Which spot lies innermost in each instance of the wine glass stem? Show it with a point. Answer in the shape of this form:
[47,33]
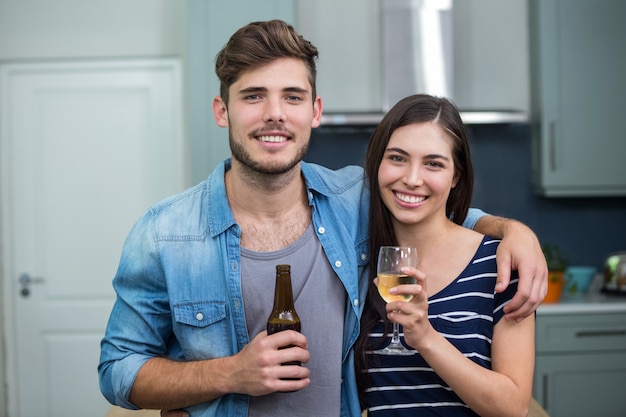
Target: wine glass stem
[395,338]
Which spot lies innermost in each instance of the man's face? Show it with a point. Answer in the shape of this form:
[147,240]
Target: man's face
[270,115]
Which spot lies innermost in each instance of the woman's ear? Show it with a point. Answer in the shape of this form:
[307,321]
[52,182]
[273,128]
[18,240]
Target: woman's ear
[455,180]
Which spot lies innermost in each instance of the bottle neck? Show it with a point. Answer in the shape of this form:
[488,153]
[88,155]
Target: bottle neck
[283,295]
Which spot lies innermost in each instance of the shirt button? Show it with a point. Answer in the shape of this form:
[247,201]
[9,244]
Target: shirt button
[356,302]
[199,316]
[338,264]
[363,256]
[321,230]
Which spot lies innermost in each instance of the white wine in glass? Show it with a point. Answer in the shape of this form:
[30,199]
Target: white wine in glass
[388,281]
[391,259]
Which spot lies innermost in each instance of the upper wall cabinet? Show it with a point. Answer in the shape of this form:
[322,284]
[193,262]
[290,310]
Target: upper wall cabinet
[347,35]
[578,87]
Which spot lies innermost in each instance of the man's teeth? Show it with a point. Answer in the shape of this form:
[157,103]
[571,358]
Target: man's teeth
[411,199]
[272,138]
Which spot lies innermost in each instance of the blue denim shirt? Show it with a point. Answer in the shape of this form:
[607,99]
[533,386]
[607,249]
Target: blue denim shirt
[178,283]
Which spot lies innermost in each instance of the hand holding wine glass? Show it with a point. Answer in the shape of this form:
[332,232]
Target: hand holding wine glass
[391,260]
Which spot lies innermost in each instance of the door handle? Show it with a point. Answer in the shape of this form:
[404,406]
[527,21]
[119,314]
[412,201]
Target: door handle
[26,280]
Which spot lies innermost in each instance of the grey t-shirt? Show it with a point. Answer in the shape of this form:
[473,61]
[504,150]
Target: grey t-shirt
[320,300]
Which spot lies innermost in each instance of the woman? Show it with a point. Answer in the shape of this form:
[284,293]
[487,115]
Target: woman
[468,360]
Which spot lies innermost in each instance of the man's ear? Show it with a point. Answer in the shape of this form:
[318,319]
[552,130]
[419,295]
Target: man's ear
[317,112]
[220,112]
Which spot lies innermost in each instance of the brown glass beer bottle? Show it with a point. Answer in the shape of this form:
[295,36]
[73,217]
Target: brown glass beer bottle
[283,315]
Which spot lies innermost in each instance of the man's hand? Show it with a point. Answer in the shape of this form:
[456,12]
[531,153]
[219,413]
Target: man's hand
[256,370]
[519,250]
[259,370]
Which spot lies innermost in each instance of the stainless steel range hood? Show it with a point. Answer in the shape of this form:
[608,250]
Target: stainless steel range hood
[417,48]
[417,57]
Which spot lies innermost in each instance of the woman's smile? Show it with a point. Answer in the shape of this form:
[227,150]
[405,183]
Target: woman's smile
[409,198]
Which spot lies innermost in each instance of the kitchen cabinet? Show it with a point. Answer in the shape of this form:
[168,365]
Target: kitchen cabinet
[578,62]
[580,367]
[347,35]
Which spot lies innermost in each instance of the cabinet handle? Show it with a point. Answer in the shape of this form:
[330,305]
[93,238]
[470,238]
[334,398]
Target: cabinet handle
[545,391]
[552,143]
[595,333]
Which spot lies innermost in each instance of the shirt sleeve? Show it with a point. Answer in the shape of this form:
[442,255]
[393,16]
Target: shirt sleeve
[473,214]
[138,326]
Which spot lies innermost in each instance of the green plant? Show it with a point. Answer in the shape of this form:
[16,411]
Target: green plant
[555,258]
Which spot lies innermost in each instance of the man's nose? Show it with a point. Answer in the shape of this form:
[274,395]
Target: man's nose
[274,111]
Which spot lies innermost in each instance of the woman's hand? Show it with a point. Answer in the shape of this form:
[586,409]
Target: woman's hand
[412,315]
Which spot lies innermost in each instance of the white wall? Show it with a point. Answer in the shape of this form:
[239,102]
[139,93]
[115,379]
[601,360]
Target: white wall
[62,29]
[83,29]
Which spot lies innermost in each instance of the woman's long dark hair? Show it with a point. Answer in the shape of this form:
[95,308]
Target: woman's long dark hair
[415,109]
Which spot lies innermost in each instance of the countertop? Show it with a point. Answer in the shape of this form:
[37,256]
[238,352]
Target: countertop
[593,302]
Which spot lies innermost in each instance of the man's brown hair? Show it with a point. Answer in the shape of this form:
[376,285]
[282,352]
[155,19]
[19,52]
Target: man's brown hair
[258,44]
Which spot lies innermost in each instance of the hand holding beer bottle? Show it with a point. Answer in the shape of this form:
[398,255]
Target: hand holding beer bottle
[283,315]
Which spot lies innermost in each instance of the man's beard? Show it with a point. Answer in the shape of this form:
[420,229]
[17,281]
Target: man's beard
[275,168]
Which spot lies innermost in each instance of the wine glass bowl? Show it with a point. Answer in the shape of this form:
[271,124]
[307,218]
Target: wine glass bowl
[391,260]
[387,281]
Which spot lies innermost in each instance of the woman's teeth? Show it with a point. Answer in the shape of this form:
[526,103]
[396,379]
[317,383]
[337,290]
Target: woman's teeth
[411,199]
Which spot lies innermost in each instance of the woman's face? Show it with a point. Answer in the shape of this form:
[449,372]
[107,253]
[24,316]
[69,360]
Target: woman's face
[416,173]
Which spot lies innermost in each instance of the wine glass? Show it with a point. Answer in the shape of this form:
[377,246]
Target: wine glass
[391,259]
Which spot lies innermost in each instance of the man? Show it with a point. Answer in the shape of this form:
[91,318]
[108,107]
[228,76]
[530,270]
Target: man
[195,281]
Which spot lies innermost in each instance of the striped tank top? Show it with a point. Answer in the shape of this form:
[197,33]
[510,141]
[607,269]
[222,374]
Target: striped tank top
[465,312]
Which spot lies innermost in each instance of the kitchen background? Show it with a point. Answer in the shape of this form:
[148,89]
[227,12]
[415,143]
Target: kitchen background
[495,63]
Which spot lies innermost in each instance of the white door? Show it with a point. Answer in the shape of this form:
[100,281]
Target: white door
[85,148]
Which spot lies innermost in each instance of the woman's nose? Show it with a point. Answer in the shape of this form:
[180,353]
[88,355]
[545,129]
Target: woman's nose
[413,177]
